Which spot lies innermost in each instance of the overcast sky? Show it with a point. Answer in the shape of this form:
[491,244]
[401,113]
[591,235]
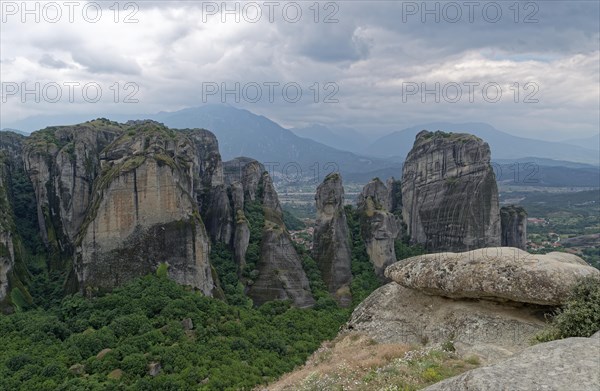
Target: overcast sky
[370,63]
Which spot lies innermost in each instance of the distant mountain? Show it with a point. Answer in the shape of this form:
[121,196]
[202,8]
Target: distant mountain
[503,145]
[242,133]
[545,162]
[587,142]
[344,138]
[14,131]
[540,175]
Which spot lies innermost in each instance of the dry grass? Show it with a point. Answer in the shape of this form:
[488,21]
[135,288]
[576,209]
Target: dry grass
[354,362]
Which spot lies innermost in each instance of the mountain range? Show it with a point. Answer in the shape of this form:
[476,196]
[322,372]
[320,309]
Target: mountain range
[503,145]
[313,151]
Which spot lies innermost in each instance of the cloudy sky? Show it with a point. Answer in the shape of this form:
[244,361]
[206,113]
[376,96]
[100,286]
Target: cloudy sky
[377,66]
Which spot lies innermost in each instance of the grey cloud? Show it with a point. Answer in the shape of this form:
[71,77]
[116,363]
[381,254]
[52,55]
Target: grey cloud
[50,62]
[107,63]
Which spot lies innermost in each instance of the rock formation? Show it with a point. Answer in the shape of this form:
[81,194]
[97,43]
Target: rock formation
[494,273]
[490,302]
[114,201]
[378,226]
[449,193]
[566,364]
[331,247]
[62,163]
[143,212]
[280,273]
[13,273]
[490,330]
[513,220]
[7,252]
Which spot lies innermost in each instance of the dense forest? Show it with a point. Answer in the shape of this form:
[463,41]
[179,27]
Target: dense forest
[155,334]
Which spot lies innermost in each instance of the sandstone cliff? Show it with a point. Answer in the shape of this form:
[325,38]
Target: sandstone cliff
[449,193]
[13,272]
[331,246]
[62,163]
[143,212]
[378,226]
[277,274]
[7,253]
[513,220]
[114,201]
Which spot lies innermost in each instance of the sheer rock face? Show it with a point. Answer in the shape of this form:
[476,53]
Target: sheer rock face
[144,213]
[114,201]
[279,270]
[449,193]
[62,163]
[281,276]
[514,226]
[331,246]
[242,176]
[495,273]
[7,253]
[379,228]
[13,272]
[210,188]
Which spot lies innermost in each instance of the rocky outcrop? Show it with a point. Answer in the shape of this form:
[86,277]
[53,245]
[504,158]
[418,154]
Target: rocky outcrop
[490,330]
[62,163]
[242,176]
[280,273]
[275,273]
[143,212]
[211,188]
[567,364]
[495,273]
[331,248]
[13,273]
[7,253]
[513,221]
[115,201]
[449,193]
[379,227]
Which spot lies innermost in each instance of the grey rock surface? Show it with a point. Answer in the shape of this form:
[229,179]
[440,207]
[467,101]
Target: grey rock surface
[513,220]
[495,273]
[490,330]
[569,364]
[378,226]
[331,243]
[449,193]
[281,276]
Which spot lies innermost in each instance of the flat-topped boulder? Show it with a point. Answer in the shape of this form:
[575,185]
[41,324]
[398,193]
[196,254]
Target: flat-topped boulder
[494,273]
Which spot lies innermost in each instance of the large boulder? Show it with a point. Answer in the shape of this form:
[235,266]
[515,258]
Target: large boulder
[569,364]
[331,246]
[490,330]
[449,193]
[496,273]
